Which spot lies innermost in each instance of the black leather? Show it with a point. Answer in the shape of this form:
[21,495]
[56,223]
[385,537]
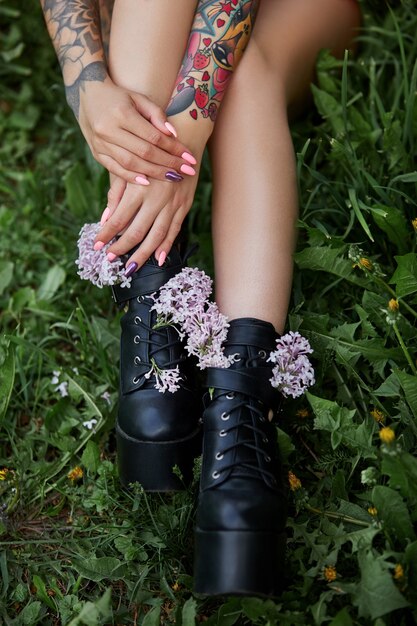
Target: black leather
[145,414]
[242,488]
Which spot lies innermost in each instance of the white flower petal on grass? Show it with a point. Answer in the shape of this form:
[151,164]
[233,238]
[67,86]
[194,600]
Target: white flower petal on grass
[62,388]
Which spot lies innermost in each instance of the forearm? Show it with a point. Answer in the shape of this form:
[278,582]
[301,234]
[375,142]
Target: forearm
[218,38]
[74,28]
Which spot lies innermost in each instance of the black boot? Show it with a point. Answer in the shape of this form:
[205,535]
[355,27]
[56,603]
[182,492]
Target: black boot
[242,509]
[155,431]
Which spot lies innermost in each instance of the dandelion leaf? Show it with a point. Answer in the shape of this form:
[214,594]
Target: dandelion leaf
[7,374]
[409,386]
[106,567]
[6,275]
[91,457]
[153,617]
[342,619]
[376,594]
[402,472]
[95,613]
[393,223]
[393,512]
[405,276]
[189,612]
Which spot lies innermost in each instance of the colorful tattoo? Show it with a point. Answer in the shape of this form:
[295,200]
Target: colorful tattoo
[219,36]
[74,27]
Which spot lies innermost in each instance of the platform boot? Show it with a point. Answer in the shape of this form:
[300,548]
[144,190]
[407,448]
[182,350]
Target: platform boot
[242,508]
[156,432]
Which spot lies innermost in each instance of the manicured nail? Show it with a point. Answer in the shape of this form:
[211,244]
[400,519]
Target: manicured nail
[189,158]
[111,256]
[131,268]
[98,245]
[174,177]
[141,180]
[105,216]
[171,129]
[187,169]
[162,258]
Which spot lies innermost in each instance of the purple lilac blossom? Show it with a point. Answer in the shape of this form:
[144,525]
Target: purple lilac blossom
[93,265]
[165,380]
[183,294]
[293,372]
[206,331]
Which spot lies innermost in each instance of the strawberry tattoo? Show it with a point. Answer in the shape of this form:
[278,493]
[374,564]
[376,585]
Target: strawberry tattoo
[201,60]
[201,96]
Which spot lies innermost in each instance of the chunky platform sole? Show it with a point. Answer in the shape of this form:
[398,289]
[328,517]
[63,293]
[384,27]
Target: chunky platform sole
[152,463]
[241,563]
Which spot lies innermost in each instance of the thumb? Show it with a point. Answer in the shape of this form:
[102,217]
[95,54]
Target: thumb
[153,113]
[115,193]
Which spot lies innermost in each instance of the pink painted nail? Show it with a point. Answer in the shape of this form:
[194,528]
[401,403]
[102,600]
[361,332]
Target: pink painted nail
[171,129]
[189,158]
[105,216]
[111,256]
[141,180]
[98,245]
[187,169]
[162,258]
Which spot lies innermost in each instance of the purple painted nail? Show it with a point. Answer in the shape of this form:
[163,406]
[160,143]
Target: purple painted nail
[174,177]
[131,268]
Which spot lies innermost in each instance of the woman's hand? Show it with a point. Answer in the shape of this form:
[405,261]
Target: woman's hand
[151,216]
[129,135]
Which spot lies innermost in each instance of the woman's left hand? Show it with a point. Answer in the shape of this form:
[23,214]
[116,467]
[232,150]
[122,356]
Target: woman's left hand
[151,216]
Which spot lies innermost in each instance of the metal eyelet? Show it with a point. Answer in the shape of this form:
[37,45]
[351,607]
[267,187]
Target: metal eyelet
[219,456]
[136,380]
[267,458]
[262,419]
[137,319]
[137,360]
[262,354]
[225,416]
[223,433]
[216,474]
[230,395]
[265,440]
[237,357]
[136,339]
[140,298]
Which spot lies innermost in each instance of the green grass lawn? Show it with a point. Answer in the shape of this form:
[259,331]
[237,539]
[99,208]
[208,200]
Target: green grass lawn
[76,548]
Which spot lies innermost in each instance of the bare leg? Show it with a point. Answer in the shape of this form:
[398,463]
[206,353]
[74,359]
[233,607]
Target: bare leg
[255,203]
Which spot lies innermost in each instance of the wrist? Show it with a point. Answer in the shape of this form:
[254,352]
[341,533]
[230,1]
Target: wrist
[194,135]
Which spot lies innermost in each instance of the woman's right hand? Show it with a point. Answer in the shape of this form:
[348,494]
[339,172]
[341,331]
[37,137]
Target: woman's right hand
[127,133]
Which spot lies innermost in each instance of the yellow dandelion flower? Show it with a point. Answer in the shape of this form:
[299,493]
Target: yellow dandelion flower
[366,263]
[393,305]
[295,483]
[3,473]
[378,415]
[414,223]
[176,586]
[398,571]
[330,573]
[75,474]
[387,435]
[373,511]
[302,413]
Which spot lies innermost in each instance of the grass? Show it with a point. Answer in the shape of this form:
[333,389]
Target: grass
[80,550]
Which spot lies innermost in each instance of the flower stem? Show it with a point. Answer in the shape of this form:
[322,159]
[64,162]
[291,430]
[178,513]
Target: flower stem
[334,515]
[404,349]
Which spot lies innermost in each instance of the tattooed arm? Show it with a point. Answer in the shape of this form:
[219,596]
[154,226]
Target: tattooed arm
[219,35]
[118,124]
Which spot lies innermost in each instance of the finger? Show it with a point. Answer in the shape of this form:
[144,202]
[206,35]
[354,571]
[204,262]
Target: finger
[137,230]
[115,193]
[122,216]
[164,248]
[113,167]
[156,235]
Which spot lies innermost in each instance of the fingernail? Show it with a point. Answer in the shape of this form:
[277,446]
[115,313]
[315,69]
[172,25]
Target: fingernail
[131,268]
[189,158]
[141,180]
[162,258]
[105,216]
[111,256]
[187,169]
[98,245]
[171,129]
[174,177]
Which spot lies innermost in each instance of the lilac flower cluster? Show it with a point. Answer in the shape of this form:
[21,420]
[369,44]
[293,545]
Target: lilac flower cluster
[183,300]
[165,380]
[93,265]
[293,372]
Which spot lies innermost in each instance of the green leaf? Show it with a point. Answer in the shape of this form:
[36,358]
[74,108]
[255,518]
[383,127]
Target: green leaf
[51,283]
[408,383]
[376,594]
[327,260]
[342,618]
[6,275]
[42,593]
[189,612]
[411,560]
[393,223]
[91,457]
[80,194]
[357,210]
[95,613]
[402,470]
[152,617]
[329,108]
[106,567]
[7,374]
[405,276]
[393,512]
[29,615]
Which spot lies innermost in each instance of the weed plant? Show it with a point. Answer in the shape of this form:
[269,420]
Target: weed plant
[77,549]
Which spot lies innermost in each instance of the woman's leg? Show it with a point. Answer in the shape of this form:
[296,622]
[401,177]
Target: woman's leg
[255,203]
